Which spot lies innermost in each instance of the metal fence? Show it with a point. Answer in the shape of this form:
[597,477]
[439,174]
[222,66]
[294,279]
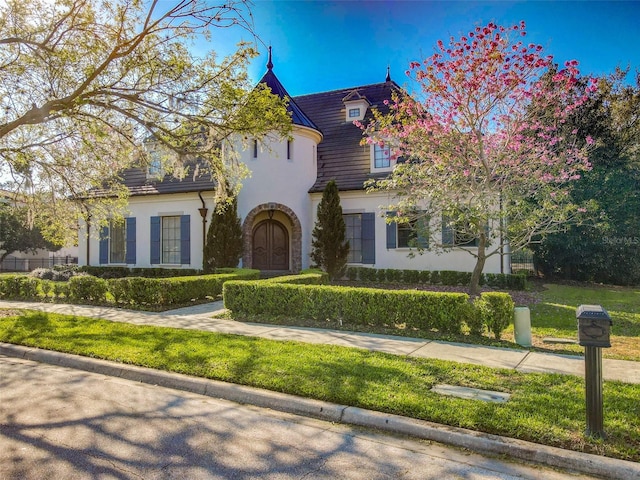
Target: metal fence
[13,264]
[522,262]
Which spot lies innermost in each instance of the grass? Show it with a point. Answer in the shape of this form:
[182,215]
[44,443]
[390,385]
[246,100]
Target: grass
[543,408]
[555,316]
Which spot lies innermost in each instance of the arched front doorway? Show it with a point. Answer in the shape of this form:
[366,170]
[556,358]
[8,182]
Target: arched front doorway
[283,216]
[270,246]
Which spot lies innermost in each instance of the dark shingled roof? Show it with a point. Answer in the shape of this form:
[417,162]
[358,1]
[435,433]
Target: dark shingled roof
[136,180]
[340,155]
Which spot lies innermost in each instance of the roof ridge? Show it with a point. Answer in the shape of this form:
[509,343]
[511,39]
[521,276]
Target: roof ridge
[348,88]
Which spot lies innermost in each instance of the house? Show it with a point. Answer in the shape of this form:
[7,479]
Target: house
[167,218]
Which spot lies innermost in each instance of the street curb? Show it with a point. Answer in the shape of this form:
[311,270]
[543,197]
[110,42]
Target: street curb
[476,441]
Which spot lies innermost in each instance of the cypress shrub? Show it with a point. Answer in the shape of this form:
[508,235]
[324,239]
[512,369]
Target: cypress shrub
[329,249]
[223,248]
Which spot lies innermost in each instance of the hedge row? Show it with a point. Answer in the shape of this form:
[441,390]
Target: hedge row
[127,291]
[446,312]
[442,277]
[107,272]
[306,277]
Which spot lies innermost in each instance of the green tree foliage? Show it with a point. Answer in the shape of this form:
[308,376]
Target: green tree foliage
[607,249]
[83,84]
[17,235]
[329,248]
[224,238]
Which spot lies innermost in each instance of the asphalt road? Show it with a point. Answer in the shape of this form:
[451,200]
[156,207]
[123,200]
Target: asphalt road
[66,424]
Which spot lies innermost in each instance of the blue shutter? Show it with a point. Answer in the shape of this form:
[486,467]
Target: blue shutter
[368,238]
[155,240]
[104,245]
[131,240]
[185,239]
[392,229]
[447,232]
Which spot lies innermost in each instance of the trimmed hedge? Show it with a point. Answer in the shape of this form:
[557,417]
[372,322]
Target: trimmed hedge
[495,310]
[306,277]
[171,291]
[423,310]
[18,286]
[108,272]
[443,277]
[359,306]
[127,290]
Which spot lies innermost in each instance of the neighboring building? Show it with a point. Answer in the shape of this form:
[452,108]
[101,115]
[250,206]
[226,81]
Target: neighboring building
[278,203]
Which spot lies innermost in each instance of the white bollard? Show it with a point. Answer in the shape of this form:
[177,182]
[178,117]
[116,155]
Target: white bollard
[522,326]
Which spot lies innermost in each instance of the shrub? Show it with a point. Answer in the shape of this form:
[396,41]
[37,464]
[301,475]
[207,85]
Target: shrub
[306,277]
[18,286]
[496,311]
[425,276]
[352,273]
[60,289]
[329,248]
[87,288]
[434,278]
[475,321]
[223,247]
[393,275]
[368,274]
[43,273]
[46,286]
[416,309]
[176,290]
[449,277]
[410,276]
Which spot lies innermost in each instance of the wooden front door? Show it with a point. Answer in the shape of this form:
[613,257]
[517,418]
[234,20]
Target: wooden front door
[270,246]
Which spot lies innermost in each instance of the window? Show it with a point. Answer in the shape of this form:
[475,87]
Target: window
[361,234]
[411,234]
[155,164]
[289,149]
[354,112]
[170,240]
[407,234]
[117,242]
[354,236]
[381,156]
[459,234]
[255,149]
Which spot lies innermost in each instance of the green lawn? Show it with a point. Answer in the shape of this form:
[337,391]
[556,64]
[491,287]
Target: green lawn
[555,316]
[543,408]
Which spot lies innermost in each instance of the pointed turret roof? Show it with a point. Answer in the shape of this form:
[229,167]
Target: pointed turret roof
[298,117]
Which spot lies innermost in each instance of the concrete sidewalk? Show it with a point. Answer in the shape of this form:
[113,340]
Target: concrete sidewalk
[199,318]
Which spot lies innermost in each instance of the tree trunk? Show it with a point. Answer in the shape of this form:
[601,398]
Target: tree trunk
[474,285]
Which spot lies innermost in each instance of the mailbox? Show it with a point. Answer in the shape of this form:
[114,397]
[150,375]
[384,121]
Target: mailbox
[594,326]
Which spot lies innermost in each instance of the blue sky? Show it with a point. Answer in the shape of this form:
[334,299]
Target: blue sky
[326,45]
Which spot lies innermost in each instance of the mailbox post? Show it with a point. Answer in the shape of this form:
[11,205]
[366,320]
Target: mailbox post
[594,331]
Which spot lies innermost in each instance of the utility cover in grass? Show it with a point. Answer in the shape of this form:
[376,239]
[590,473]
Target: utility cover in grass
[471,393]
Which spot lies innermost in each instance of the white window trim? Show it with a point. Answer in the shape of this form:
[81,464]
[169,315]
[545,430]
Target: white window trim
[392,161]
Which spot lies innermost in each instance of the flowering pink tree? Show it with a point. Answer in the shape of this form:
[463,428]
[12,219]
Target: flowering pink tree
[481,149]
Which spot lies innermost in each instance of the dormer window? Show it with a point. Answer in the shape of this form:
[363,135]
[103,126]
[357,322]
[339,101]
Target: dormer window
[154,169]
[355,106]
